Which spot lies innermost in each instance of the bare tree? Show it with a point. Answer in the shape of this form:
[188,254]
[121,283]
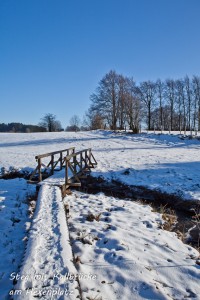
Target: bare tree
[97,122]
[105,100]
[180,96]
[170,96]
[147,94]
[189,100]
[132,106]
[50,123]
[75,121]
[122,94]
[160,94]
[74,124]
[196,92]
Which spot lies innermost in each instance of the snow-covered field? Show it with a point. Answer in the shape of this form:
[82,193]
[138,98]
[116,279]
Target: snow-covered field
[160,161]
[124,254]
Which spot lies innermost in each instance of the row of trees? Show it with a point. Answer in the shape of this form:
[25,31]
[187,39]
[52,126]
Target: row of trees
[49,123]
[119,103]
[19,127]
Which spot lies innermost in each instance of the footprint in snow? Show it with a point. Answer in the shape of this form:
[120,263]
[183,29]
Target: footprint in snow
[107,214]
[110,227]
[148,224]
[191,294]
[107,219]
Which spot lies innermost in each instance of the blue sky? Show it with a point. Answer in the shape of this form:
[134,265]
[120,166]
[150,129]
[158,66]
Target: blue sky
[53,53]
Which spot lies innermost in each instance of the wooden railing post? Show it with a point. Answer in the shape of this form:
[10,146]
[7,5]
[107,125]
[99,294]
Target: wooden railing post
[86,164]
[66,172]
[90,156]
[52,164]
[74,162]
[61,158]
[39,170]
[81,159]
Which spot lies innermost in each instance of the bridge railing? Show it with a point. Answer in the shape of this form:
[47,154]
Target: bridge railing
[46,166]
[76,164]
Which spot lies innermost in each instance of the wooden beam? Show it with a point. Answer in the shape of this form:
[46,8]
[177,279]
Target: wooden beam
[74,184]
[55,152]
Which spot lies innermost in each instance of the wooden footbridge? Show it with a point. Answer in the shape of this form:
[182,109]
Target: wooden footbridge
[63,168]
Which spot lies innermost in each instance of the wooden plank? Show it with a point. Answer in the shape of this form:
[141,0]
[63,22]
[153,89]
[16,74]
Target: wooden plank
[74,162]
[56,162]
[39,170]
[55,152]
[78,163]
[90,163]
[76,153]
[61,159]
[86,164]
[32,181]
[52,164]
[45,167]
[95,162]
[74,183]
[66,172]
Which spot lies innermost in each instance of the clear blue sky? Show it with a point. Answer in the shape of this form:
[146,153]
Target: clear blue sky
[53,53]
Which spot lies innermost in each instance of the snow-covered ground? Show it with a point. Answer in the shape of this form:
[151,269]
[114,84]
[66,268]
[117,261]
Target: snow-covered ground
[14,224]
[124,254]
[131,256]
[157,161]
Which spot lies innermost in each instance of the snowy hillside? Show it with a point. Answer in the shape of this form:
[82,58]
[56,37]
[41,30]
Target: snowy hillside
[118,249]
[159,161]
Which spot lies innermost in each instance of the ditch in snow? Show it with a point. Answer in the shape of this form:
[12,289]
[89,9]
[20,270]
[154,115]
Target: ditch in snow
[181,216]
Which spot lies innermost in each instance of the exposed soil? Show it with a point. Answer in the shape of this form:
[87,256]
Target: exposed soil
[187,212]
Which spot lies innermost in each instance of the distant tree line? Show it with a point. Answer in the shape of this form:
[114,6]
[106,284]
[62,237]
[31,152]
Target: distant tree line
[48,123]
[119,103]
[19,127]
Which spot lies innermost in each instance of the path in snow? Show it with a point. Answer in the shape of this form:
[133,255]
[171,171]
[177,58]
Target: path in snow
[48,261]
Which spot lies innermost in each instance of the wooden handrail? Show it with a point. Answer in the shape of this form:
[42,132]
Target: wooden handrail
[53,153]
[68,157]
[84,163]
[76,163]
[52,163]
